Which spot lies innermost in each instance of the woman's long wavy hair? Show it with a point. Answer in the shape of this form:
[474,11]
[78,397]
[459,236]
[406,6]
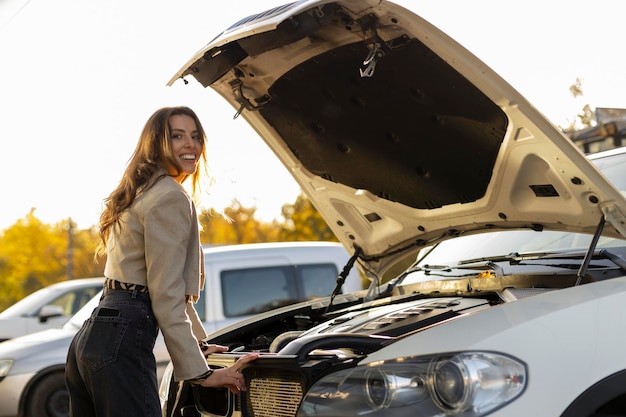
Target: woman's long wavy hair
[152,154]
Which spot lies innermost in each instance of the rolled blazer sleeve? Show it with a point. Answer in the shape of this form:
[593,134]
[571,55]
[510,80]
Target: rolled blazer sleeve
[170,233]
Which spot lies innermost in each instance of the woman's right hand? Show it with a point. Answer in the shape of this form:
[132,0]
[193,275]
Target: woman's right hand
[231,377]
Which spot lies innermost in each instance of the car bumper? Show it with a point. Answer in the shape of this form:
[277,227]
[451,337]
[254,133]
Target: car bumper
[11,389]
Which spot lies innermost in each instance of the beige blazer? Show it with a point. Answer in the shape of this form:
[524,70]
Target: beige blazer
[158,245]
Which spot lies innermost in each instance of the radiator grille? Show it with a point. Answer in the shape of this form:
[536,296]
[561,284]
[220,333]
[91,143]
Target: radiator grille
[274,393]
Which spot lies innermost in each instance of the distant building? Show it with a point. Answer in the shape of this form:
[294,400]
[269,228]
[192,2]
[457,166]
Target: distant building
[608,132]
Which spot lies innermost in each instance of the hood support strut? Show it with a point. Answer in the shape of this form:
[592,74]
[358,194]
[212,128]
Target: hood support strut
[342,276]
[592,248]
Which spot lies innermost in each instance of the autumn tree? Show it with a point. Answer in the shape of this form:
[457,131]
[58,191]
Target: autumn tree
[235,225]
[238,224]
[85,265]
[303,222]
[34,254]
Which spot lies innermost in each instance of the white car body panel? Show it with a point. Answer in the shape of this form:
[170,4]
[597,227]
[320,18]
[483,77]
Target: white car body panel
[558,319]
[10,397]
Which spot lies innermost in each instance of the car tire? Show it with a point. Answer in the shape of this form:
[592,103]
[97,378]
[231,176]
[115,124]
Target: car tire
[49,397]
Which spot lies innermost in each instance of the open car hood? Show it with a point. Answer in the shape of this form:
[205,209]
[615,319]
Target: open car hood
[398,135]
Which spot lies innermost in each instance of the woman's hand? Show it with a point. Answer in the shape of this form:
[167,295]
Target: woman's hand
[231,377]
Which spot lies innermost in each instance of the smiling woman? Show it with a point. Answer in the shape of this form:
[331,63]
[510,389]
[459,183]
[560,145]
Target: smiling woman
[154,274]
[186,145]
[186,142]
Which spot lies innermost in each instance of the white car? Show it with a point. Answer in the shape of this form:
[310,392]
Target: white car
[48,307]
[32,369]
[496,249]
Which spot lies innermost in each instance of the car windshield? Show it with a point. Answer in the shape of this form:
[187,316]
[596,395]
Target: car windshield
[513,242]
[477,247]
[83,314]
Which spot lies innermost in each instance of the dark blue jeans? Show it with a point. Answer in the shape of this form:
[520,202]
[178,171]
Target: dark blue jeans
[111,370]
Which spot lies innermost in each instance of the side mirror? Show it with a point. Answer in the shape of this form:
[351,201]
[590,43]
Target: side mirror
[49,311]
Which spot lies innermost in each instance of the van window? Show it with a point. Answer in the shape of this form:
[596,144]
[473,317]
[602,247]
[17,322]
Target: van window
[318,280]
[256,290]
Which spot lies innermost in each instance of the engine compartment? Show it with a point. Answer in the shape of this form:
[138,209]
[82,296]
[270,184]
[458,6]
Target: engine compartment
[393,312]
[299,344]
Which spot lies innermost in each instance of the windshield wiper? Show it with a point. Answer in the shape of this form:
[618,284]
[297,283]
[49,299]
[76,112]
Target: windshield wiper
[588,255]
[613,257]
[489,262]
[516,259]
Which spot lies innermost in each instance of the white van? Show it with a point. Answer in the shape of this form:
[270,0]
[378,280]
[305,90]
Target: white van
[243,280]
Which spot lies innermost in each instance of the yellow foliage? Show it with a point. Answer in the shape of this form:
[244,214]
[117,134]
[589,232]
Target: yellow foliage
[34,254]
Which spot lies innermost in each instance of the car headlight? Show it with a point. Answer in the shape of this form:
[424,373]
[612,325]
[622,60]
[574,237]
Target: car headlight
[5,367]
[470,384]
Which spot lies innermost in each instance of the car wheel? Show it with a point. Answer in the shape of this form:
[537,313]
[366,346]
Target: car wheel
[49,397]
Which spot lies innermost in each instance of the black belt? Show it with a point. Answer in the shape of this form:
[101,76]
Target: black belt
[114,285]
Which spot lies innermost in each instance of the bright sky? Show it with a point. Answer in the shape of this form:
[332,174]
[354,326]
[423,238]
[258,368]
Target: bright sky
[78,79]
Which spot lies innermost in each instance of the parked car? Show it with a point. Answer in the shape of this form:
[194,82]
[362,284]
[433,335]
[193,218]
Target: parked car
[32,367]
[48,307]
[406,144]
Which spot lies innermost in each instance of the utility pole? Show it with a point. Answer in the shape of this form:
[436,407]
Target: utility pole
[70,249]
